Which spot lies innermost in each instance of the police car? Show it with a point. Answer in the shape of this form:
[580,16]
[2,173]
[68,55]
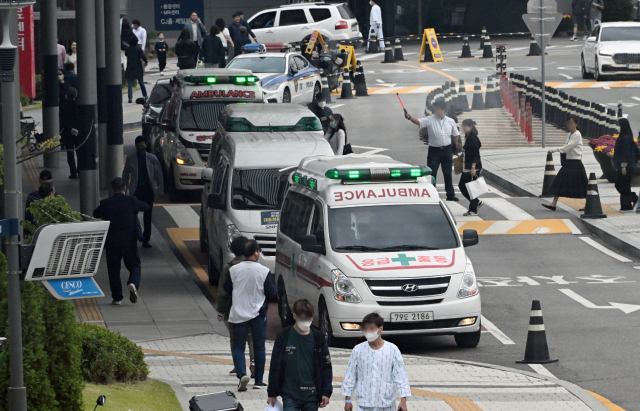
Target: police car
[287,77]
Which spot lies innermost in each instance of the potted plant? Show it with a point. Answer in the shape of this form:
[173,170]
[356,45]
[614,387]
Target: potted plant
[601,147]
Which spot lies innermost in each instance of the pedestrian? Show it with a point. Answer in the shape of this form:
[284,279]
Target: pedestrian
[319,107]
[143,175]
[212,51]
[62,56]
[301,371]
[337,134]
[187,51]
[579,15]
[126,36]
[161,48]
[68,116]
[122,211]
[595,13]
[571,181]
[234,27]
[70,76]
[472,164]
[376,371]
[225,37]
[375,24]
[225,302]
[45,178]
[62,87]
[443,136]
[250,286]
[245,23]
[135,69]
[625,158]
[72,55]
[141,34]
[46,190]
[241,41]
[197,30]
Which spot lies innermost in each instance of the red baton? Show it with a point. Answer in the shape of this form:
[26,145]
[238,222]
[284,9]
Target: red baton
[405,110]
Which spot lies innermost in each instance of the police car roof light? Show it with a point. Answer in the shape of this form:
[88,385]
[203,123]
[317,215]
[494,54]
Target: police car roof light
[368,174]
[266,47]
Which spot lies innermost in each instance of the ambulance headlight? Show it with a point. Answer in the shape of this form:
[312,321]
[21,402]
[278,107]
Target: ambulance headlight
[272,87]
[468,286]
[182,155]
[343,289]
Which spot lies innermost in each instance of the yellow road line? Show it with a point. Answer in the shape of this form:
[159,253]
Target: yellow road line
[551,226]
[178,236]
[606,402]
[132,131]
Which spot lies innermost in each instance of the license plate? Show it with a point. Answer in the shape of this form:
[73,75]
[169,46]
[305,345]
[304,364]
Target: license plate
[412,316]
[633,66]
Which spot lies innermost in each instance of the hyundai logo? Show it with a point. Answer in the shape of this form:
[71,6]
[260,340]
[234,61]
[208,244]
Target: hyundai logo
[409,288]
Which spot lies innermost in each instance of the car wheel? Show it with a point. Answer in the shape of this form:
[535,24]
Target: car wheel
[214,274]
[174,193]
[596,74]
[325,327]
[316,89]
[204,247]
[468,340]
[286,96]
[585,74]
[284,311]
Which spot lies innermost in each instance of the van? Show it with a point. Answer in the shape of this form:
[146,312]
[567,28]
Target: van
[365,233]
[189,120]
[244,181]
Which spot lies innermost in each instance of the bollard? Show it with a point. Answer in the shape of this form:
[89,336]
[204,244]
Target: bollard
[536,350]
[326,92]
[346,92]
[397,53]
[534,49]
[372,44]
[478,101]
[359,82]
[488,51]
[482,36]
[462,97]
[466,49]
[619,108]
[593,207]
[523,121]
[388,53]
[529,129]
[611,122]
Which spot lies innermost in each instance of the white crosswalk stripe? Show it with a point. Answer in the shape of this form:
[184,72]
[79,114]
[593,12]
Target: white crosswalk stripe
[509,210]
[184,216]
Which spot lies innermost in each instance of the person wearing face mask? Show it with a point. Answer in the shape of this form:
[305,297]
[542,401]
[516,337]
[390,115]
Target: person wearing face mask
[319,107]
[376,371]
[300,371]
[375,24]
[337,134]
[143,175]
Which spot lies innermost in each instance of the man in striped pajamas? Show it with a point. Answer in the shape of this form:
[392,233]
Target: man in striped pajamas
[377,369]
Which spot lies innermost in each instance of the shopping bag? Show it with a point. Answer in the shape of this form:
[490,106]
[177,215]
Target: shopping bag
[477,188]
[276,407]
[458,164]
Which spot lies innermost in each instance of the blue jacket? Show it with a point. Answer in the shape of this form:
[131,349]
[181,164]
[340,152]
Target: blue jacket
[130,173]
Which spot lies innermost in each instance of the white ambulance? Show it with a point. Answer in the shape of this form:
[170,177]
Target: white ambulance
[190,118]
[365,233]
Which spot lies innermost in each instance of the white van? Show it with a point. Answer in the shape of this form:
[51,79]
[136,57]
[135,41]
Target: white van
[365,233]
[244,187]
[190,117]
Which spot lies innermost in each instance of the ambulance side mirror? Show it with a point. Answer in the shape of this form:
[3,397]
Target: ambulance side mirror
[469,237]
[310,243]
[168,125]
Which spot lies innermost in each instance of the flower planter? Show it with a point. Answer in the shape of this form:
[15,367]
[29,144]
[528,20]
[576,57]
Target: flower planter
[606,166]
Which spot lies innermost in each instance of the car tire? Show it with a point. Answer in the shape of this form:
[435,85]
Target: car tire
[284,310]
[468,340]
[174,193]
[585,74]
[213,272]
[325,327]
[596,73]
[286,96]
[316,89]
[204,247]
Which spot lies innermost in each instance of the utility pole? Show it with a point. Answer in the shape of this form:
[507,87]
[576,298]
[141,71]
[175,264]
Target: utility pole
[102,93]
[50,86]
[115,153]
[87,99]
[543,72]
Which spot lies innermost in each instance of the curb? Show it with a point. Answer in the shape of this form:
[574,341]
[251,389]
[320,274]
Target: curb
[181,393]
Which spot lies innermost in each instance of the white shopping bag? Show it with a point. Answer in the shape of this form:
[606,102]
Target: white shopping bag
[477,188]
[276,407]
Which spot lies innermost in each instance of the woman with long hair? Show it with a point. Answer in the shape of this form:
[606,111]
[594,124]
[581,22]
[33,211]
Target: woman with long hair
[225,37]
[625,158]
[472,164]
[336,134]
[72,56]
[186,50]
[571,180]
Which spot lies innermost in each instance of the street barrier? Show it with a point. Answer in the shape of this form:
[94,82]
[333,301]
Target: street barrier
[488,50]
[466,49]
[346,92]
[593,207]
[388,53]
[482,36]
[549,176]
[478,102]
[359,82]
[536,350]
[397,51]
[326,92]
[462,97]
[534,49]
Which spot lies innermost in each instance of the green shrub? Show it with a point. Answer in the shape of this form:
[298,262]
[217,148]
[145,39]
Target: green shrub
[617,10]
[24,99]
[50,210]
[109,357]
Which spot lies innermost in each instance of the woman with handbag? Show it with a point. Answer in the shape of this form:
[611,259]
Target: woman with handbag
[625,157]
[186,50]
[571,180]
[472,164]
[337,135]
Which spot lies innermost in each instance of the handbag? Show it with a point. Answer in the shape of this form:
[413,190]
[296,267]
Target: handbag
[458,164]
[477,187]
[563,159]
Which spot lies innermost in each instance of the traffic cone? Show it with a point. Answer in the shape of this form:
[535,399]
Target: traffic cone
[488,51]
[484,33]
[372,46]
[537,350]
[490,95]
[326,92]
[619,108]
[454,98]
[592,207]
[466,48]
[346,92]
[549,176]
[534,49]
[397,52]
[359,82]
[478,102]
[463,102]
[388,53]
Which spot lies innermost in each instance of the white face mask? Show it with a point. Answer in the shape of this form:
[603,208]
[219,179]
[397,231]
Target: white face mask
[371,3]
[372,336]
[303,325]
[322,104]
[60,77]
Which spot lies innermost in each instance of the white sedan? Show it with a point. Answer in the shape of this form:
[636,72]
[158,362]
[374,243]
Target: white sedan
[612,49]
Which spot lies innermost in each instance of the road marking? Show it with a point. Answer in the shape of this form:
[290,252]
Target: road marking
[383,84]
[424,89]
[636,98]
[602,84]
[604,249]
[372,150]
[369,56]
[184,216]
[178,235]
[540,369]
[507,209]
[572,227]
[625,308]
[387,90]
[568,77]
[426,67]
[567,85]
[500,227]
[502,337]
[520,227]
[457,210]
[611,406]
[528,280]
[336,106]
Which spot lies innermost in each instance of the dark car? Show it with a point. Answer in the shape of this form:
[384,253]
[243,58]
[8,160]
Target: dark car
[152,108]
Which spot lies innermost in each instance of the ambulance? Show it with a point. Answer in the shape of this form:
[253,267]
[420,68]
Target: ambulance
[190,118]
[365,233]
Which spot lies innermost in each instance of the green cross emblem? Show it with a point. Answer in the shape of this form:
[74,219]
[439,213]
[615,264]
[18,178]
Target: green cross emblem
[403,259]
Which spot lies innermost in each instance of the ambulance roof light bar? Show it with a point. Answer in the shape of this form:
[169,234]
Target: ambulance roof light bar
[240,80]
[377,174]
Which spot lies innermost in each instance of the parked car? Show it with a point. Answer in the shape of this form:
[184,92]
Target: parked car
[152,108]
[612,49]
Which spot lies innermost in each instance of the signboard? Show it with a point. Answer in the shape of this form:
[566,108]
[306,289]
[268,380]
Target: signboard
[550,6]
[9,227]
[551,23]
[73,288]
[270,217]
[501,58]
[26,52]
[173,14]
[433,53]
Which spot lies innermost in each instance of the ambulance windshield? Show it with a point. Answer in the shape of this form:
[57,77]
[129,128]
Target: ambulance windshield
[391,228]
[258,189]
[200,115]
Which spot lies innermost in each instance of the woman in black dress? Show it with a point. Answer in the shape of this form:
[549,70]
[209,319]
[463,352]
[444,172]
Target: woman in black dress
[472,164]
[186,50]
[571,180]
[625,158]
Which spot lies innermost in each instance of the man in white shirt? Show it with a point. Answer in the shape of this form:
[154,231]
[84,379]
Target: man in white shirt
[443,135]
[250,286]
[197,30]
[140,33]
[375,23]
[377,370]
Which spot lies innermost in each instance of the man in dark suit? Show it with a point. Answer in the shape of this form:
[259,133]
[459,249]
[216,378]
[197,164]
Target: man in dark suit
[122,210]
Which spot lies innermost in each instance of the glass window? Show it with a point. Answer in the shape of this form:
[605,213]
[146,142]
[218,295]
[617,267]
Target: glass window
[301,62]
[317,223]
[258,189]
[286,226]
[391,228]
[621,34]
[292,17]
[242,125]
[219,175]
[320,14]
[160,94]
[295,216]
[266,19]
[345,12]
[259,64]
[170,108]
[200,115]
